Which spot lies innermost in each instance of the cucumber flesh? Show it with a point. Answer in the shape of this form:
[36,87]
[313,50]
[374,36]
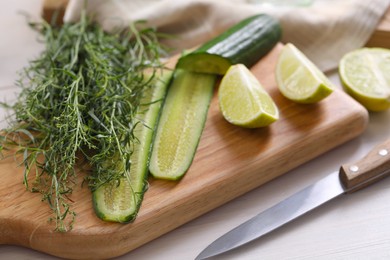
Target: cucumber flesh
[246,42]
[120,200]
[181,124]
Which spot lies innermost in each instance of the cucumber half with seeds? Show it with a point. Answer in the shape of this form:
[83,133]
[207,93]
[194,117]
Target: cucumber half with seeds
[246,42]
[119,201]
[181,124]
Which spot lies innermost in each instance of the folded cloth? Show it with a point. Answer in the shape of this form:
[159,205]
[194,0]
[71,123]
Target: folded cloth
[324,30]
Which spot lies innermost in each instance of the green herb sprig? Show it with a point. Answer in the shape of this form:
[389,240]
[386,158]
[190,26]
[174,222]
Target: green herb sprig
[79,99]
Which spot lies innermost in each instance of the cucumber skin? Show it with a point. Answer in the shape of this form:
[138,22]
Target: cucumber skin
[246,43]
[97,194]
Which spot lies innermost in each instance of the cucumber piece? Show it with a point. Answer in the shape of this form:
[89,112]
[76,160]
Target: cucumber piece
[246,42]
[119,201]
[181,124]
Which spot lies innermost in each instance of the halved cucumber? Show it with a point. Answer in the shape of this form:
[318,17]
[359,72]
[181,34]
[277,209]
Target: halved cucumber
[246,42]
[181,124]
[119,201]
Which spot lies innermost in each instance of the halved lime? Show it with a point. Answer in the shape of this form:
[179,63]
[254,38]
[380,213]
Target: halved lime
[365,74]
[243,101]
[299,79]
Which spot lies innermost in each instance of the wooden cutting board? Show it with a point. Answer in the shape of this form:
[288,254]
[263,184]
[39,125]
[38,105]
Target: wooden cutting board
[229,162]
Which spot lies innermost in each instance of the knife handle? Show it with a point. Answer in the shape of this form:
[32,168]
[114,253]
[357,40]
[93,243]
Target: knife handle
[371,168]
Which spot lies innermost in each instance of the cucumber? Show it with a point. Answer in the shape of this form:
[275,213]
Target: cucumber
[120,200]
[246,42]
[181,124]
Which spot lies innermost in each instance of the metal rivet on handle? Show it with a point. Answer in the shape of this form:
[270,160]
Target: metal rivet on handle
[353,168]
[383,152]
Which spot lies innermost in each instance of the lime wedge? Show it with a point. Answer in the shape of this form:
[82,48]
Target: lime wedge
[243,101]
[365,74]
[299,79]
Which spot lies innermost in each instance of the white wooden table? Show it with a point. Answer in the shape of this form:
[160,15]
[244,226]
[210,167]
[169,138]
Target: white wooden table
[355,226]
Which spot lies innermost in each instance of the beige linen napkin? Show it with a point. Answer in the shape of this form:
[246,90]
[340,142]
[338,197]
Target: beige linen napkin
[324,30]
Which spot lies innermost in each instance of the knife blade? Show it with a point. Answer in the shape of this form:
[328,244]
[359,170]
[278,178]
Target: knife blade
[350,178]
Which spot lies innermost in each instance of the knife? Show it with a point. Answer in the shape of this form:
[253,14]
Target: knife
[350,178]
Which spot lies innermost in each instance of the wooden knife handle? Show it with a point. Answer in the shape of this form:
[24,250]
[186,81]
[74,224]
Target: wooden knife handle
[371,168]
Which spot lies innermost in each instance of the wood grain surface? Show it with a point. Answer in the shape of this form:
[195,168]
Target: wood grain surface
[373,167]
[229,162]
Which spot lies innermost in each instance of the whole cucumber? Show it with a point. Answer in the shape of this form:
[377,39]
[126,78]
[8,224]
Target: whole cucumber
[246,42]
